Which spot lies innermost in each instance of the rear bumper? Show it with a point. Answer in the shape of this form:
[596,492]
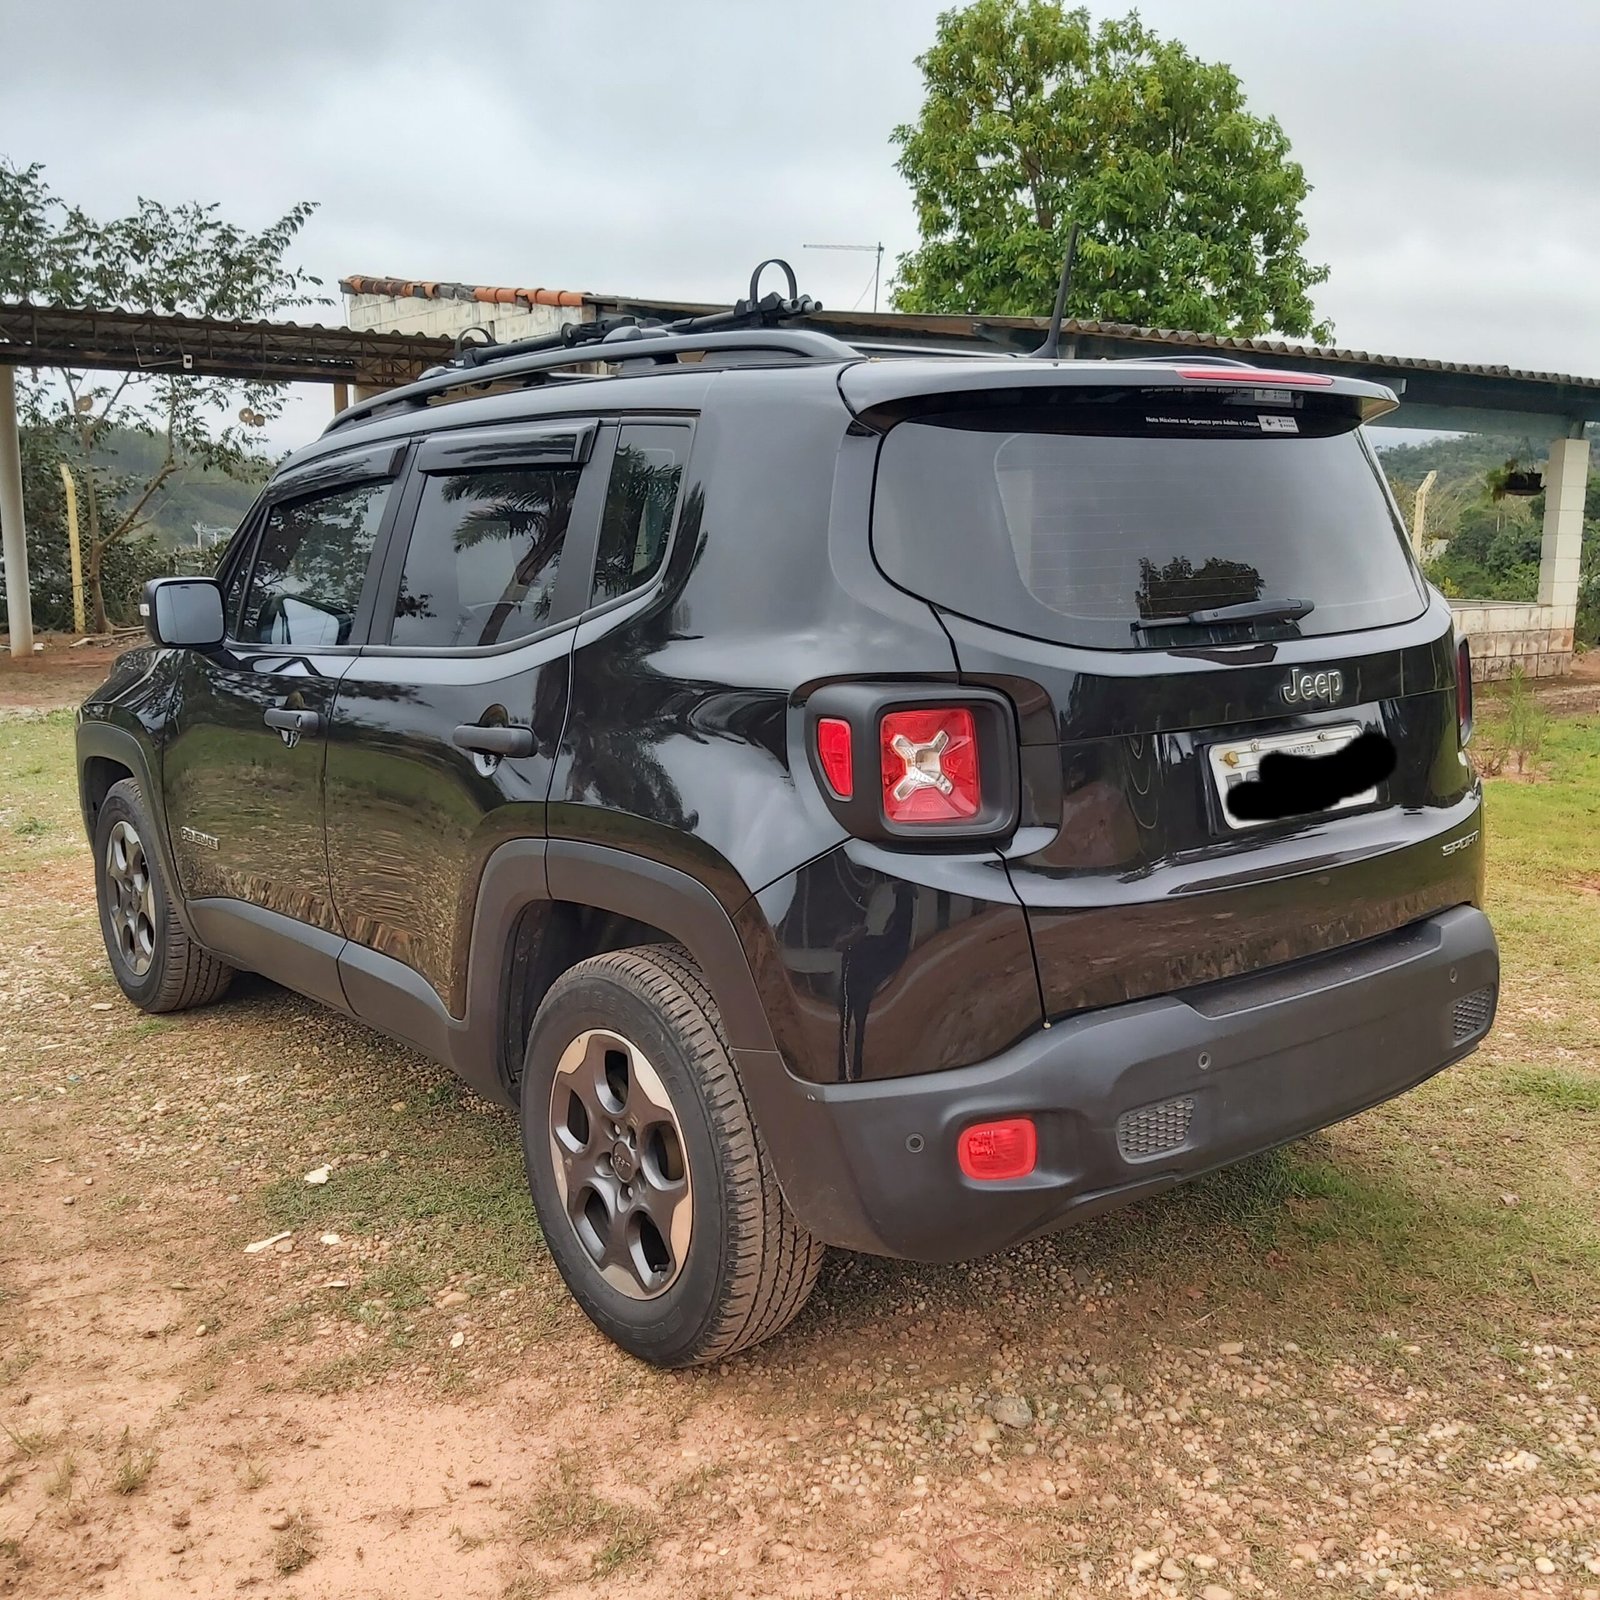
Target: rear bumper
[1129,1100]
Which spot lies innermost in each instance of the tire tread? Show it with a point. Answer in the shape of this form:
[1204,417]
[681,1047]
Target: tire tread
[190,975]
[772,1262]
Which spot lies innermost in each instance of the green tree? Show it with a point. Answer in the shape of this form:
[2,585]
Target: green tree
[1034,119]
[158,259]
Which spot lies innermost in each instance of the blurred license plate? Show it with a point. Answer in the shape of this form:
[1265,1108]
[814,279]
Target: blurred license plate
[1239,760]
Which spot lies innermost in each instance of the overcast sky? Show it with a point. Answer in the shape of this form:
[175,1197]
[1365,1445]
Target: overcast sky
[661,147]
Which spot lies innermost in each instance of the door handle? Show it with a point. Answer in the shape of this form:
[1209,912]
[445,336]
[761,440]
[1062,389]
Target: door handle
[287,721]
[510,740]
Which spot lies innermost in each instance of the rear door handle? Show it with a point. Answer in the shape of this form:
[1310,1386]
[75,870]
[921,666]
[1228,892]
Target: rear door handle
[495,741]
[287,721]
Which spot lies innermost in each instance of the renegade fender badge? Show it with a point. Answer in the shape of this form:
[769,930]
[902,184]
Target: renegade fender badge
[1306,686]
[194,836]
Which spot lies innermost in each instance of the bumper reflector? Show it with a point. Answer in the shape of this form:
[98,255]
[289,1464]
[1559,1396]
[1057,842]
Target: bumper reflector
[992,1151]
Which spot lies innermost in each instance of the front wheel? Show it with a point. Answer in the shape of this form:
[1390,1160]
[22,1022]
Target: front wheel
[156,964]
[653,1187]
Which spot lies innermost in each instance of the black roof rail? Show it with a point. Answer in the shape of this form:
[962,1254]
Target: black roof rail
[655,348]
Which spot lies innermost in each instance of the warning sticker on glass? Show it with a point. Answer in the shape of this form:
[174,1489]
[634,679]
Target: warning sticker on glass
[1278,424]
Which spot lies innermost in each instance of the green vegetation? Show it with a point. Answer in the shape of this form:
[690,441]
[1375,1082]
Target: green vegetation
[1034,118]
[161,259]
[1492,539]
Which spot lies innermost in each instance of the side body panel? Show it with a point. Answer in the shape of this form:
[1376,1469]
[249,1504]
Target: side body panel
[244,800]
[683,746]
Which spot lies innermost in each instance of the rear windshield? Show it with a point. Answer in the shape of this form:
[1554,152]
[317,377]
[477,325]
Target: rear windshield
[1113,538]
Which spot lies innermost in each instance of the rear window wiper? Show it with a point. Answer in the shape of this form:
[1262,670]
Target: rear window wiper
[1245,611]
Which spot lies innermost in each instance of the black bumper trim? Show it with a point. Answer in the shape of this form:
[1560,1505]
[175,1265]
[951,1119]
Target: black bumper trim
[871,1166]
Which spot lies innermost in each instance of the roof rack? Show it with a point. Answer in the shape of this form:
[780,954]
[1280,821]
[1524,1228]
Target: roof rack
[1189,360]
[887,347]
[748,327]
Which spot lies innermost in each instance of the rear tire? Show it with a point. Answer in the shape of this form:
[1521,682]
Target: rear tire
[653,1186]
[156,964]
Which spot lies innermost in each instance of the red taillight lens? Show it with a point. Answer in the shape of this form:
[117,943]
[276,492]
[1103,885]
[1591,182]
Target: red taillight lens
[1464,691]
[930,765]
[990,1151]
[836,756]
[1255,377]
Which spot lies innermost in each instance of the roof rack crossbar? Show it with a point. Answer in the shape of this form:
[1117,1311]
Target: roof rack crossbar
[647,346]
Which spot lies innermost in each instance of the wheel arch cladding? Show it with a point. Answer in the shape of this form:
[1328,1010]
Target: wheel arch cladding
[682,907]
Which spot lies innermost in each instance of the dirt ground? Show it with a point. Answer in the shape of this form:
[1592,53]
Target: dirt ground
[1365,1366]
[57,677]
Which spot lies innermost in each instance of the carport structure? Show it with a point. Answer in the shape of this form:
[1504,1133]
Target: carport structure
[381,349]
[123,341]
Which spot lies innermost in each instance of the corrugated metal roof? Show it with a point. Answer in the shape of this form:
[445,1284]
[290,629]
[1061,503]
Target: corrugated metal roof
[131,341]
[984,329]
[975,328]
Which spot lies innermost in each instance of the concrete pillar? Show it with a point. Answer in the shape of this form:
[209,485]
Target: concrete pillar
[19,602]
[1565,480]
[341,397]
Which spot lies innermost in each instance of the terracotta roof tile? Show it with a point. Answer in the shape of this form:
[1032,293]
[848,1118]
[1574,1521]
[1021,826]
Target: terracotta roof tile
[429,289]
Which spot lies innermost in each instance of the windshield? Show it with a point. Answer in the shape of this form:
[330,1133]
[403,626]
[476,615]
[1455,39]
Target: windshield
[1114,538]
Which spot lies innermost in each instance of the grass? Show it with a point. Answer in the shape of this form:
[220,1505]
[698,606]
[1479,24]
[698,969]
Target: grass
[28,1443]
[294,1547]
[569,1512]
[132,1470]
[58,1485]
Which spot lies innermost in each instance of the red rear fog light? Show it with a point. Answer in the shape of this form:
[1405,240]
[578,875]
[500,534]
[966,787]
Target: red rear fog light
[990,1151]
[930,765]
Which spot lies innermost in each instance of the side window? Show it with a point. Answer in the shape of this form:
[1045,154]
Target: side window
[481,566]
[238,574]
[309,568]
[643,493]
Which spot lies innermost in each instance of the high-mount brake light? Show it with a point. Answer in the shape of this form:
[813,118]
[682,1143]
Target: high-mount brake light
[836,755]
[930,765]
[1464,691]
[991,1152]
[1255,377]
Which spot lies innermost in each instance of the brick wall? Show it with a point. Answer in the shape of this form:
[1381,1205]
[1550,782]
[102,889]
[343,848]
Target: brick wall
[1504,633]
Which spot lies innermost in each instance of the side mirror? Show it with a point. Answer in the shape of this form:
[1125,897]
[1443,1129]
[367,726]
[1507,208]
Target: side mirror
[183,613]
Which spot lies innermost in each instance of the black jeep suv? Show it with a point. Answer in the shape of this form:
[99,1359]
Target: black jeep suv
[901,804]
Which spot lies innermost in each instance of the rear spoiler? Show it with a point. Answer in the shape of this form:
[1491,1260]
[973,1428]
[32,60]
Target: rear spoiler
[883,393]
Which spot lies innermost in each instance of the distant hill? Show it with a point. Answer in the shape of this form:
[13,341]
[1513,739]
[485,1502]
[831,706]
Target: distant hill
[193,494]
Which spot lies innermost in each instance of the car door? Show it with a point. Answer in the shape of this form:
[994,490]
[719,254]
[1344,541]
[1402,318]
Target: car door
[243,765]
[443,730]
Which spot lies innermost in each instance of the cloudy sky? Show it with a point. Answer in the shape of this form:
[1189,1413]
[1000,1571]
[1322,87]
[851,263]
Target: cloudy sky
[660,147]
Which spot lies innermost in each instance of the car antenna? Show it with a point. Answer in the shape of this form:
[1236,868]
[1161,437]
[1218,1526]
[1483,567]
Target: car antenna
[1050,350]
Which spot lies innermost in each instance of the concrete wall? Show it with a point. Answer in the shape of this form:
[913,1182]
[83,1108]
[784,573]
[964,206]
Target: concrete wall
[1507,633]
[444,318]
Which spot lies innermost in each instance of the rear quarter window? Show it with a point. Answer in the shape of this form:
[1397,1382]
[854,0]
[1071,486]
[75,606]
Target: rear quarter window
[1032,522]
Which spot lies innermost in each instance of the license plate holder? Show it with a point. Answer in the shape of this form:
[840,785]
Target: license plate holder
[1235,761]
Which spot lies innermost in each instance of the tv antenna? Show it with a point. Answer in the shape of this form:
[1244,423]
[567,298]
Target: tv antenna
[877,266]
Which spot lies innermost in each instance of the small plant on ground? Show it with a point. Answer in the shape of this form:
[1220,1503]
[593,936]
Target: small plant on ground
[132,1469]
[28,1443]
[1526,721]
[59,1484]
[295,1547]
